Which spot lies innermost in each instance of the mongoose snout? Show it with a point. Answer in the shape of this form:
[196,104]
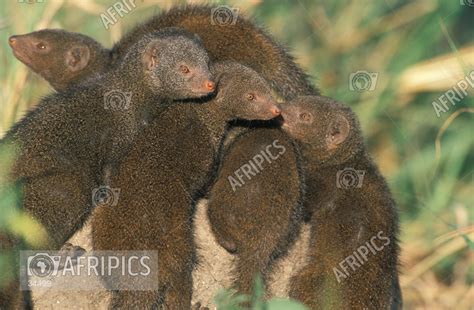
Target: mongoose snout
[210,85]
[21,46]
[265,108]
[293,118]
[292,114]
[202,81]
[276,111]
[268,100]
[207,87]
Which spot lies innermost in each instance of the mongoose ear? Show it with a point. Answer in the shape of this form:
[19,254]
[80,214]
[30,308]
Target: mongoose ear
[337,131]
[150,57]
[220,79]
[77,58]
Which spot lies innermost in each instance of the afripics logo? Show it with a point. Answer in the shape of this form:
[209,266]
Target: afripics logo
[256,164]
[116,11]
[360,256]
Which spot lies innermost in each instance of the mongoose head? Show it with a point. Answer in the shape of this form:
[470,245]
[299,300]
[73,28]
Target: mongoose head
[329,129]
[244,93]
[62,58]
[176,64]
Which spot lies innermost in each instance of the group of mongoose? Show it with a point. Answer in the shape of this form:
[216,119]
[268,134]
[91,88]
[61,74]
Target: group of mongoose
[191,83]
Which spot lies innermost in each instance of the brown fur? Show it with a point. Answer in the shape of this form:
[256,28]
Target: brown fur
[163,176]
[243,42]
[247,43]
[343,219]
[250,45]
[67,143]
[62,58]
[10,295]
[260,228]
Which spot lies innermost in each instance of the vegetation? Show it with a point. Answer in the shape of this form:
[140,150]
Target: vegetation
[229,301]
[417,50]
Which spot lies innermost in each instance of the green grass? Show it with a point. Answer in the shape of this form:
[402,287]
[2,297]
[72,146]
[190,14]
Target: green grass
[228,300]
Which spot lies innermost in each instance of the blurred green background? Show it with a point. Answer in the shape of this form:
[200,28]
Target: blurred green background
[417,50]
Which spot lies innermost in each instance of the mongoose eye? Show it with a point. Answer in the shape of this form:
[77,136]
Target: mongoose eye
[250,97]
[41,46]
[184,69]
[305,117]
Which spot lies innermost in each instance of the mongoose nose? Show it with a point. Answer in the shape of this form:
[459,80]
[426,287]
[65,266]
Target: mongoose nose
[276,111]
[12,40]
[210,85]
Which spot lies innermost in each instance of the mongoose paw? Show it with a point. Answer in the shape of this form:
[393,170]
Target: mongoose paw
[68,249]
[230,246]
[71,251]
[197,306]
